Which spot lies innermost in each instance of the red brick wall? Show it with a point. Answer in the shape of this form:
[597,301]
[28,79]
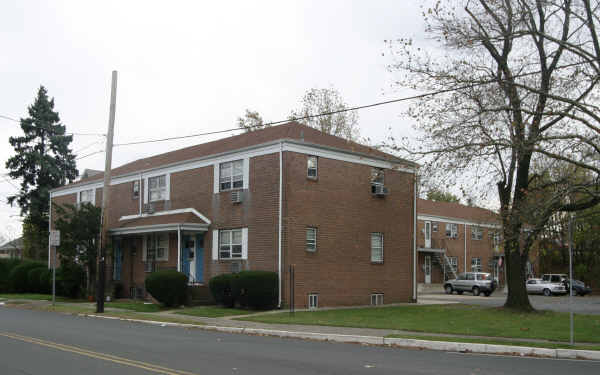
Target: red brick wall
[340,205]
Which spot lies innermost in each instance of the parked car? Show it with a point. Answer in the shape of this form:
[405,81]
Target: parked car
[473,282]
[547,288]
[580,289]
[557,278]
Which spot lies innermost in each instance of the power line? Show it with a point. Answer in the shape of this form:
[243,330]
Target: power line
[85,156]
[88,146]
[82,134]
[377,104]
[9,118]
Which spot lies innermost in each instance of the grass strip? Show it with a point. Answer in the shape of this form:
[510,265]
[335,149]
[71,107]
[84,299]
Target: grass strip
[456,319]
[212,311]
[37,297]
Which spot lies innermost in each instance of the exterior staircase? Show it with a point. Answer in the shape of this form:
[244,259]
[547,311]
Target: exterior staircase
[200,295]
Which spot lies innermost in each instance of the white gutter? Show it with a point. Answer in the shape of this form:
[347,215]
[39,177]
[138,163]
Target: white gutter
[415,238]
[280,229]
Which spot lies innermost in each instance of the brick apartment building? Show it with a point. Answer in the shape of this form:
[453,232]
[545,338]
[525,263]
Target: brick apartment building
[341,213]
[453,238]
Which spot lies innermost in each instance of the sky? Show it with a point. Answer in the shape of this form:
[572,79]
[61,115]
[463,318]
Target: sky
[187,67]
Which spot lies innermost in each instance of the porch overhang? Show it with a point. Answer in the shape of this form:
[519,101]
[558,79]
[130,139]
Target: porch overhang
[430,250]
[188,220]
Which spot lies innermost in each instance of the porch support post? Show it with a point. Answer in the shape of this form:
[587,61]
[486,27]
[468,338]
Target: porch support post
[178,248]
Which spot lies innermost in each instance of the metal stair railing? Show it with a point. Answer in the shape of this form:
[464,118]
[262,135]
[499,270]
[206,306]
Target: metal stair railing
[450,266]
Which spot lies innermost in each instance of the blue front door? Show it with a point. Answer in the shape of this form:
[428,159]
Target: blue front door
[192,258]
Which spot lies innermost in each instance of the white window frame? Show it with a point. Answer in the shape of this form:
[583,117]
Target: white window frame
[315,167]
[92,196]
[313,301]
[476,264]
[155,239]
[376,299]
[227,247]
[232,178]
[162,190]
[476,233]
[311,243]
[377,176]
[135,189]
[377,251]
[453,229]
[434,226]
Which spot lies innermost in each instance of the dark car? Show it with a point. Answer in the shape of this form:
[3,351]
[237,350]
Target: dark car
[579,288]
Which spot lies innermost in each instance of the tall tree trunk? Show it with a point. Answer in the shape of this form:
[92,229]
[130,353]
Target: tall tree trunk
[517,293]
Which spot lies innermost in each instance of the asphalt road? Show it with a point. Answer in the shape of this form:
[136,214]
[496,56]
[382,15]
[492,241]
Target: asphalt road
[34,342]
[581,305]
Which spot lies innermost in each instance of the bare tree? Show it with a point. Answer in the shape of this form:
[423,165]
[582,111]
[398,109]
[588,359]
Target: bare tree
[517,110]
[251,121]
[331,108]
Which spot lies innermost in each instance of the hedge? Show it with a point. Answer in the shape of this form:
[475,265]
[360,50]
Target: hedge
[256,289]
[221,289]
[169,287]
[69,280]
[250,289]
[34,279]
[6,266]
[19,276]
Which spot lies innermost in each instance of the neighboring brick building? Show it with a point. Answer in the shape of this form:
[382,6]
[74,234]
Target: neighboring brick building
[341,213]
[452,238]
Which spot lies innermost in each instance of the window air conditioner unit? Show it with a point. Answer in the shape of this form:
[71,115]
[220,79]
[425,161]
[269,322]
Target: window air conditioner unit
[236,196]
[148,208]
[379,190]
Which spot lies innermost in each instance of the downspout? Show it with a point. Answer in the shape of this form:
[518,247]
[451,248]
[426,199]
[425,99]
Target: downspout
[49,229]
[465,248]
[415,237]
[178,247]
[280,229]
[140,195]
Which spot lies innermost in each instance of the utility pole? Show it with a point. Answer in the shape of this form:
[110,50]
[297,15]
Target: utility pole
[101,261]
[571,275]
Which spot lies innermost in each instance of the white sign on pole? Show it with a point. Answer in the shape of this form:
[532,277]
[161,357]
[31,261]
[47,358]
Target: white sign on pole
[54,238]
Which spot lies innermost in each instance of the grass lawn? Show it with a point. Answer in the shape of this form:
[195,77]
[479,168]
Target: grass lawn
[135,306]
[212,311]
[452,319]
[548,345]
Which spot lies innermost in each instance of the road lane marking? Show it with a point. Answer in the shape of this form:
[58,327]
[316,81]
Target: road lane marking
[97,355]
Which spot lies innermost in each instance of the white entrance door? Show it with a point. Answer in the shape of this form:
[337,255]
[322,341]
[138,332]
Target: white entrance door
[427,269]
[192,259]
[428,234]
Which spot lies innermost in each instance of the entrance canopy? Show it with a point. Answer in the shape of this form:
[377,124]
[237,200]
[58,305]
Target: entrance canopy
[430,250]
[187,219]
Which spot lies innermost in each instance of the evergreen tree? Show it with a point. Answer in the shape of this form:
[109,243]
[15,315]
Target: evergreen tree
[42,161]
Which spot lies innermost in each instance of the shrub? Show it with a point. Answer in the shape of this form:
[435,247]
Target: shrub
[256,289]
[19,276]
[46,281]
[169,287]
[69,280]
[6,266]
[118,290]
[33,278]
[221,289]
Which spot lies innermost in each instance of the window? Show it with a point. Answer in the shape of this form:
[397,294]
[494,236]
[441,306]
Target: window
[451,230]
[476,264]
[476,233]
[231,175]
[86,196]
[531,281]
[377,299]
[313,301]
[311,167]
[462,276]
[157,188]
[311,239]
[157,248]
[453,262]
[230,244]
[470,276]
[377,247]
[136,189]
[377,176]
[434,226]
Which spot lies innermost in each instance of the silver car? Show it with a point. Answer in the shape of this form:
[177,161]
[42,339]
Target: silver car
[473,282]
[547,288]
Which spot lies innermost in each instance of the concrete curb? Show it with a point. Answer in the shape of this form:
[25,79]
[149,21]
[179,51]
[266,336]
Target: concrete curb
[448,346]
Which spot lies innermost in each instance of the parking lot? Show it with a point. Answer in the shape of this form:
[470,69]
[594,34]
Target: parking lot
[581,305]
